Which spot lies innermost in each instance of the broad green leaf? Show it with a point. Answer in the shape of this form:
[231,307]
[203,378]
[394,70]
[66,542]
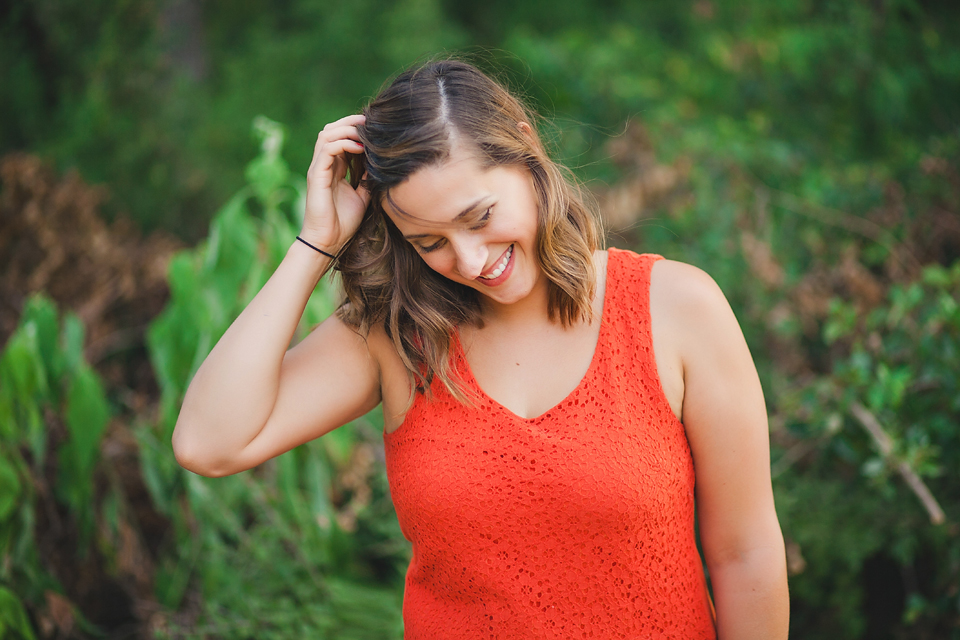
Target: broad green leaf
[237,240]
[7,416]
[936,276]
[159,468]
[87,415]
[24,368]
[42,314]
[35,432]
[339,444]
[268,174]
[72,342]
[182,277]
[14,623]
[9,487]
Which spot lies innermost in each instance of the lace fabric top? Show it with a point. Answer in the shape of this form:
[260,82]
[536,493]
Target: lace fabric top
[578,523]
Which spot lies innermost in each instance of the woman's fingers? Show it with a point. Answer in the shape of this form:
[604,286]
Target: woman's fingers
[342,128]
[331,145]
[333,208]
[330,155]
[362,191]
[352,120]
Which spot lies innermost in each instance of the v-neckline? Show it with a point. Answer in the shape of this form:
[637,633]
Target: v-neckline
[461,354]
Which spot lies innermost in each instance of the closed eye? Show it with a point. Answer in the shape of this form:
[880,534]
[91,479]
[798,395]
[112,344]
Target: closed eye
[482,222]
[433,247]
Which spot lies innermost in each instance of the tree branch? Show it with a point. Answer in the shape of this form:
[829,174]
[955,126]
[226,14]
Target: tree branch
[885,444]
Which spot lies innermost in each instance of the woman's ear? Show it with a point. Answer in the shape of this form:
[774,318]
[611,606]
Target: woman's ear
[525,128]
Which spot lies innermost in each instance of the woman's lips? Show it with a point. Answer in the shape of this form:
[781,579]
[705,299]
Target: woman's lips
[504,273]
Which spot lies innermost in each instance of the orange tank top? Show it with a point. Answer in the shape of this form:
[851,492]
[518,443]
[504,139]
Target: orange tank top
[575,524]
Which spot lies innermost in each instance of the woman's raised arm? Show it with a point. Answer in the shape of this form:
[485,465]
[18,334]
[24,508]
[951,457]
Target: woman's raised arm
[251,399]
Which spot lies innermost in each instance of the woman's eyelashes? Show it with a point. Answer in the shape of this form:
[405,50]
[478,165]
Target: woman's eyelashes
[433,247]
[481,223]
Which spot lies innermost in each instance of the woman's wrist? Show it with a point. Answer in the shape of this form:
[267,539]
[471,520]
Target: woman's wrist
[333,255]
[314,261]
[321,240]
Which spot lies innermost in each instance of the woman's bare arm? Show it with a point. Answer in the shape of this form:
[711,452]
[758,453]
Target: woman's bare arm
[251,399]
[726,424]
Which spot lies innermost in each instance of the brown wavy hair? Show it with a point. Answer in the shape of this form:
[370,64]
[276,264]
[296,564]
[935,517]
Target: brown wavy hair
[410,125]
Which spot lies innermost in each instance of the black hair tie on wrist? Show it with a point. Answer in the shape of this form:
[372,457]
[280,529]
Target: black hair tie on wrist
[329,255]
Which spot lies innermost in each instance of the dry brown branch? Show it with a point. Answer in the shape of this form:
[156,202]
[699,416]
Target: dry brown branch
[885,445]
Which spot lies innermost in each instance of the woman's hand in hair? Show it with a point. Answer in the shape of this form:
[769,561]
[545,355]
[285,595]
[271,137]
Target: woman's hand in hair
[334,209]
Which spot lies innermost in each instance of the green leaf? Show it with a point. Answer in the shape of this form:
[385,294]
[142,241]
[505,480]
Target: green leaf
[23,367]
[87,416]
[9,487]
[268,177]
[24,389]
[936,276]
[42,314]
[160,470]
[35,433]
[236,238]
[71,338]
[14,623]
[182,277]
[873,467]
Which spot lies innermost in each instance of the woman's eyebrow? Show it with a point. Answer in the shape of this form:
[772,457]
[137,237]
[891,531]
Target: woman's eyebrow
[460,216]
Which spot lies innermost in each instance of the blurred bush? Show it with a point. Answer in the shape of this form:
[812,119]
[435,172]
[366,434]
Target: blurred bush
[307,544]
[53,414]
[804,153]
[283,550]
[156,98]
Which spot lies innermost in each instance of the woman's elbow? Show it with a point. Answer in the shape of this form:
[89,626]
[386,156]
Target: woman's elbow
[193,456]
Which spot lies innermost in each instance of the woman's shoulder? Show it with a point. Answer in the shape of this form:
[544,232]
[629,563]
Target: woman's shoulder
[687,287]
[690,307]
[692,326]
[678,285]
[684,294]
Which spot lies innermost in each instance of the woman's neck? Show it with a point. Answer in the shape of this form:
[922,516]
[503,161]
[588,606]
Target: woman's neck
[533,308]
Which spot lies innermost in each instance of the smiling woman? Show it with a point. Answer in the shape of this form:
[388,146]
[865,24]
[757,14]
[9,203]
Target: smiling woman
[466,144]
[477,246]
[553,412]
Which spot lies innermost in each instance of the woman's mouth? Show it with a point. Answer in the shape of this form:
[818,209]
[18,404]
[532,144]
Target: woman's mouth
[501,271]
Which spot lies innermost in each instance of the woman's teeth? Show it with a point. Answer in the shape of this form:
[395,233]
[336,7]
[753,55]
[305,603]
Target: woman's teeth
[500,267]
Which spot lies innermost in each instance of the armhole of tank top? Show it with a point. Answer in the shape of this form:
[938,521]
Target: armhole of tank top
[438,390]
[646,274]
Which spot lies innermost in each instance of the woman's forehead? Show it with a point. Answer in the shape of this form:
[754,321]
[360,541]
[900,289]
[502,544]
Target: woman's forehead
[440,194]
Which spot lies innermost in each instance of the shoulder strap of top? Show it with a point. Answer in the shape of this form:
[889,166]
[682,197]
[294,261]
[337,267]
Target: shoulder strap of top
[628,297]
[628,274]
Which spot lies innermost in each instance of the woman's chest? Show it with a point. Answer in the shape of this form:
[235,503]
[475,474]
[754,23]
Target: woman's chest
[530,370]
[604,456]
[527,370]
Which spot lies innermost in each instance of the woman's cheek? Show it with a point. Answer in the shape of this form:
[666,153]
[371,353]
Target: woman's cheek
[438,263]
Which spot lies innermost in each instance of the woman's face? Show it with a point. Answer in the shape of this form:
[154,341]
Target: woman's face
[473,225]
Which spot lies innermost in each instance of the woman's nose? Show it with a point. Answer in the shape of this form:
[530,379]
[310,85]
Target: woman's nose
[471,257]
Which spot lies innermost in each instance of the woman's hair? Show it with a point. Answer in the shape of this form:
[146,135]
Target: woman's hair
[413,124]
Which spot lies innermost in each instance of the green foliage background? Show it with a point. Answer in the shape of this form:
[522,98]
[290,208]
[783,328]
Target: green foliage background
[818,149]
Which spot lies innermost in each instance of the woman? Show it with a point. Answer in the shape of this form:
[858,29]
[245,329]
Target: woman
[549,407]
